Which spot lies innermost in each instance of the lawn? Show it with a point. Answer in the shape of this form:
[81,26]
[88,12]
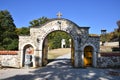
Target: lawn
[54,53]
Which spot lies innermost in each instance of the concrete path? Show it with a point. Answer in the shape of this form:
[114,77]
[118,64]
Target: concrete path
[60,69]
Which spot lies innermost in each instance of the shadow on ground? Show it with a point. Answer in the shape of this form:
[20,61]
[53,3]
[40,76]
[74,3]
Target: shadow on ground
[62,70]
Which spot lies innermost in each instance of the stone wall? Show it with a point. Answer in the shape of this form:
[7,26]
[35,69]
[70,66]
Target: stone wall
[9,60]
[111,61]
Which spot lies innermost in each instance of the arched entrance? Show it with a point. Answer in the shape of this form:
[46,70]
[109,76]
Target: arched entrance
[28,52]
[88,56]
[80,43]
[46,47]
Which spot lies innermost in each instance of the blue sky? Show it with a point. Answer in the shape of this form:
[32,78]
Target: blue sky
[97,14]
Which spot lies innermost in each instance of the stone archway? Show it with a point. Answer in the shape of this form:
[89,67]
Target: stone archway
[60,25]
[80,36]
[45,49]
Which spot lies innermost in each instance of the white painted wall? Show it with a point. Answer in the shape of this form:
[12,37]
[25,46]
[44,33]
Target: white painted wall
[110,43]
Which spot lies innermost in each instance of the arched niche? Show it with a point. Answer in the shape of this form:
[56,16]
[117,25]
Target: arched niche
[89,54]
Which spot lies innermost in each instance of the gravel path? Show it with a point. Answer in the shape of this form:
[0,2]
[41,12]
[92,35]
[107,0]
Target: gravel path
[60,69]
[66,56]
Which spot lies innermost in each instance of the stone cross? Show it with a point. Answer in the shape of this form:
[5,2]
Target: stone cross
[59,14]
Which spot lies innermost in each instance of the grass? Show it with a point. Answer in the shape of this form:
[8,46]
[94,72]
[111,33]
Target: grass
[52,54]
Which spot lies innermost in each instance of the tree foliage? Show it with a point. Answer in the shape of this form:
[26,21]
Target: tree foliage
[8,36]
[38,22]
[111,37]
[54,39]
[23,31]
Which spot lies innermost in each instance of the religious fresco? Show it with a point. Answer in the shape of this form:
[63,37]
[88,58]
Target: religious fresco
[29,50]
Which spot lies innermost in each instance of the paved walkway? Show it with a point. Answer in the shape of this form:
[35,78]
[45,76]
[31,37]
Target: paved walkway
[60,69]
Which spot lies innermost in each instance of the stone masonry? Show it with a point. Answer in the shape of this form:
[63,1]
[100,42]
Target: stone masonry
[80,37]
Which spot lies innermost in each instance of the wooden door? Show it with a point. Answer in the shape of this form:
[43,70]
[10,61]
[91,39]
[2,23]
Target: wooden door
[72,52]
[88,56]
[45,53]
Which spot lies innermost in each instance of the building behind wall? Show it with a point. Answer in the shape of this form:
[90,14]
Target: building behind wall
[63,43]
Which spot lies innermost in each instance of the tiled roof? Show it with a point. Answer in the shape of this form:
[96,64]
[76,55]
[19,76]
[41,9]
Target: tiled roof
[109,54]
[8,52]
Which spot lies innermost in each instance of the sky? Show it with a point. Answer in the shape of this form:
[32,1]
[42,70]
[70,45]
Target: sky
[96,14]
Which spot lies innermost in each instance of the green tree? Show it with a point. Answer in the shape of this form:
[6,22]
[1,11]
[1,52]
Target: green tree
[112,36]
[8,36]
[54,39]
[38,22]
[23,31]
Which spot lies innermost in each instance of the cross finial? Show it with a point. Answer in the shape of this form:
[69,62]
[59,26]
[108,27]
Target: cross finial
[59,14]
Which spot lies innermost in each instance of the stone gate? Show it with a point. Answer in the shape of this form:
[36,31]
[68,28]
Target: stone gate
[85,48]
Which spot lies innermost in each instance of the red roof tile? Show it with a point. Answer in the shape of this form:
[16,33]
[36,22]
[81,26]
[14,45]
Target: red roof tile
[8,52]
[109,54]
